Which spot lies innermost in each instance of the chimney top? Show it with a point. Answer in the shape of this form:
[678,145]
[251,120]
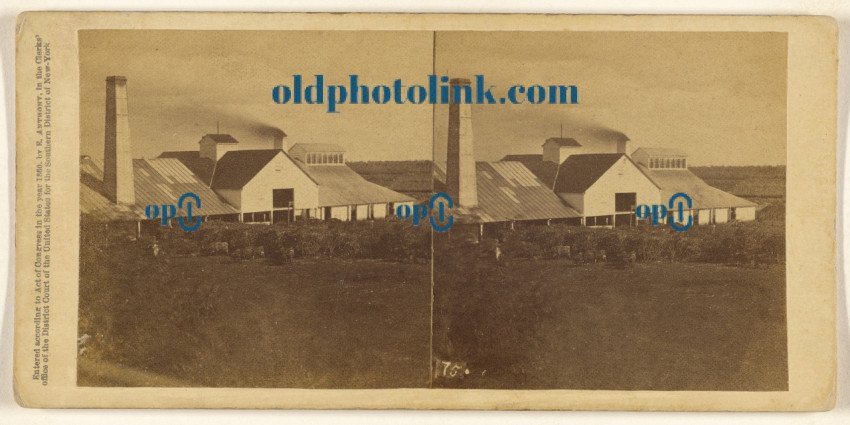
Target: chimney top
[459,81]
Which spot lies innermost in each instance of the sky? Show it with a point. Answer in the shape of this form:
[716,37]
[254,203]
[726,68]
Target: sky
[718,96]
[180,83]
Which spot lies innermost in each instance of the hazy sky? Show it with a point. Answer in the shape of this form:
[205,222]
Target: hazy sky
[718,96]
[180,83]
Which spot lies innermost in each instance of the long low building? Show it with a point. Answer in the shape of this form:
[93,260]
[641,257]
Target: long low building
[668,169]
[155,182]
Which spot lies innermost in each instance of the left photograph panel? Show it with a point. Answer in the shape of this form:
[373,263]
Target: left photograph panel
[228,240]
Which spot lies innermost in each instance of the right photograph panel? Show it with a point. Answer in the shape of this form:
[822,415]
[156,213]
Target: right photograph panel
[619,211]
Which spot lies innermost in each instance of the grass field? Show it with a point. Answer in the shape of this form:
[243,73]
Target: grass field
[335,323]
[654,326]
[310,324]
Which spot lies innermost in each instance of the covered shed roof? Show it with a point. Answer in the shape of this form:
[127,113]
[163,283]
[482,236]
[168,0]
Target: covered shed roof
[672,181]
[508,191]
[544,170]
[156,181]
[202,167]
[340,185]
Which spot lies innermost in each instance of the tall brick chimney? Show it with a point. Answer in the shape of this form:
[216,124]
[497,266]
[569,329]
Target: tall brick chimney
[117,159]
[460,161]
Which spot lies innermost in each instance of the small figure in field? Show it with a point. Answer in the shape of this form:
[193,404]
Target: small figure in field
[154,247]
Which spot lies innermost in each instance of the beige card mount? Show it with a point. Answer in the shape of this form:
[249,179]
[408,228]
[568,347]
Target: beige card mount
[423,211]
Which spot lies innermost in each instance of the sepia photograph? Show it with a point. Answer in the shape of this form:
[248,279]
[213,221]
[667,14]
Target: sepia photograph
[297,275]
[635,241]
[463,210]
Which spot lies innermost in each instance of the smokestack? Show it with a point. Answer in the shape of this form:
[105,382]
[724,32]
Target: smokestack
[117,159]
[624,146]
[460,162]
[280,142]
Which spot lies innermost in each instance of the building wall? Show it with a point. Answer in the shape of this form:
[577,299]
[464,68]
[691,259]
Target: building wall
[745,213]
[621,177]
[362,212]
[552,153]
[575,200]
[704,217]
[279,173]
[213,150]
[721,215]
[379,211]
[340,213]
[231,196]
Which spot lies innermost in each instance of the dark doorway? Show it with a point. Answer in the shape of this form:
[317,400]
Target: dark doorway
[625,202]
[283,198]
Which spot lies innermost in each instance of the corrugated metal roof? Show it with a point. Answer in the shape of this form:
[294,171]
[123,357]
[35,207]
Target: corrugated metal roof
[660,152]
[508,191]
[318,147]
[546,171]
[156,181]
[340,185]
[672,181]
[201,167]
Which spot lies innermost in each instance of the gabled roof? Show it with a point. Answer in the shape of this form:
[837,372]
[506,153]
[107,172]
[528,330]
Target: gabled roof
[202,167]
[155,181]
[562,141]
[508,191]
[660,152]
[236,168]
[318,147]
[578,172]
[221,138]
[340,185]
[672,181]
